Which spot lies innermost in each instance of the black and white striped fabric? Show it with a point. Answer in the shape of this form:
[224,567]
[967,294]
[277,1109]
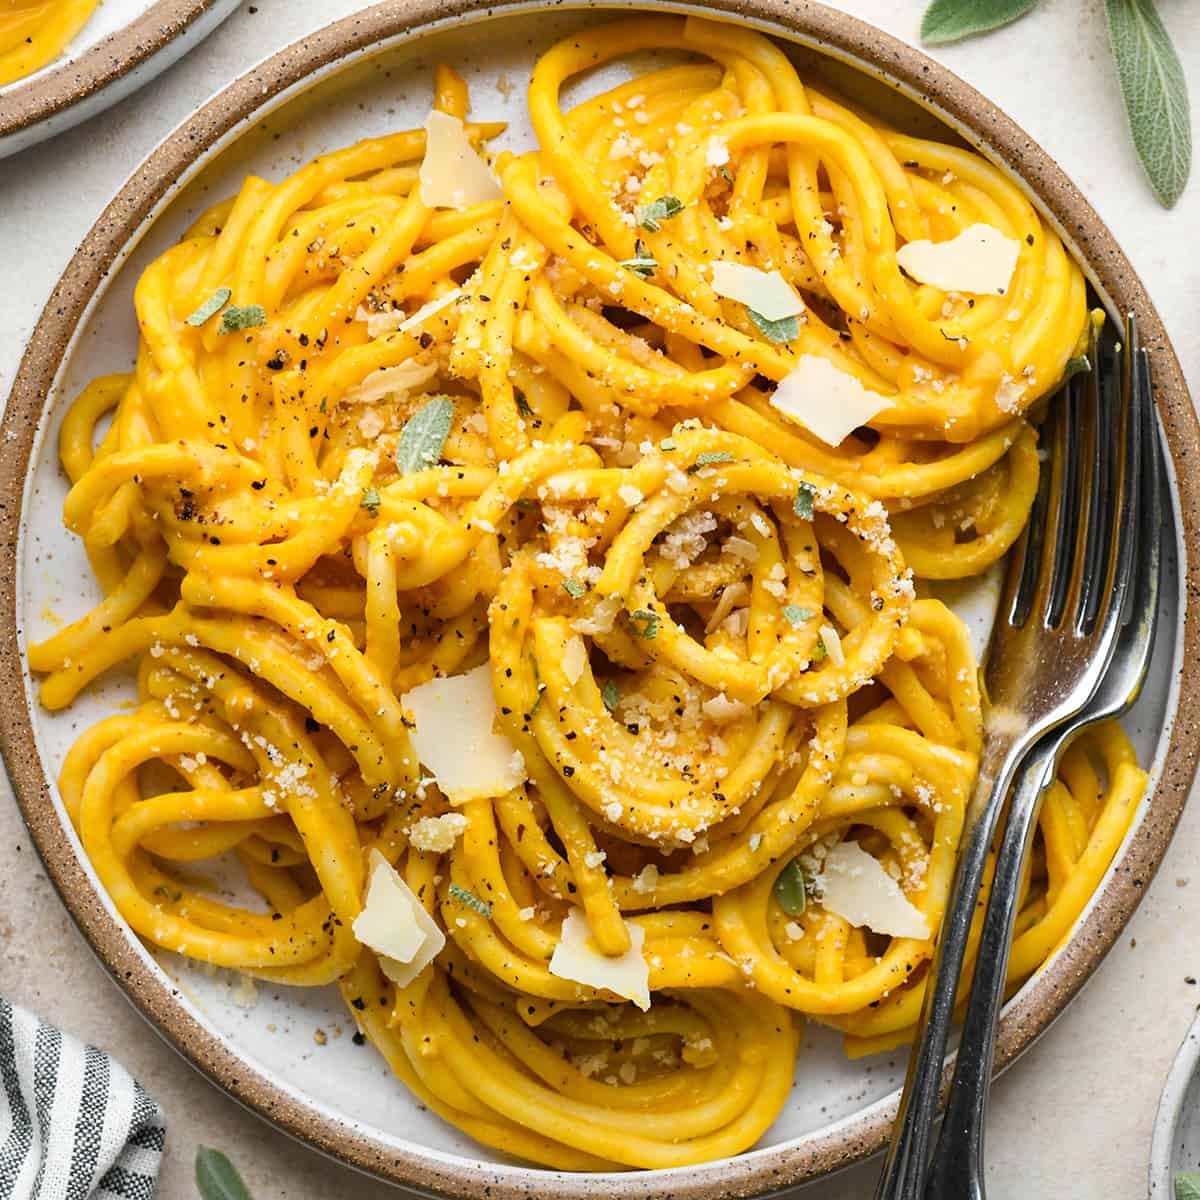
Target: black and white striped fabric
[74,1125]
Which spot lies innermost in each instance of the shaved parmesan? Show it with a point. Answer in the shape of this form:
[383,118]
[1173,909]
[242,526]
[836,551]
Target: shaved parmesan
[395,925]
[397,381]
[833,645]
[853,885]
[721,709]
[577,958]
[428,310]
[827,402]
[980,259]
[437,835]
[767,292]
[456,737]
[452,174]
[574,660]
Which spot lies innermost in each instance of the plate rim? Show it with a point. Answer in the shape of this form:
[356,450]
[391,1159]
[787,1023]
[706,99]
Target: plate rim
[69,81]
[142,197]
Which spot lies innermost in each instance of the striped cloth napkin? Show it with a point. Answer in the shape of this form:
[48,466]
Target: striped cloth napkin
[74,1125]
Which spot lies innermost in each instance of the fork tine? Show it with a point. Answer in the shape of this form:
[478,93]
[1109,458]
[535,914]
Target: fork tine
[1062,512]
[1016,598]
[1096,486]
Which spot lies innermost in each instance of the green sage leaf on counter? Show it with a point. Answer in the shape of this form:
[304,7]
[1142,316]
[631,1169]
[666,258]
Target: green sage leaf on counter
[217,1178]
[1155,92]
[1187,1185]
[950,20]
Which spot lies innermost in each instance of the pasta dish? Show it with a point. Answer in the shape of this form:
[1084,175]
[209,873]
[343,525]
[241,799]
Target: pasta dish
[530,563]
[35,32]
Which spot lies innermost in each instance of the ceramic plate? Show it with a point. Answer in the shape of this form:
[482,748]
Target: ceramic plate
[124,45]
[1176,1143]
[288,1054]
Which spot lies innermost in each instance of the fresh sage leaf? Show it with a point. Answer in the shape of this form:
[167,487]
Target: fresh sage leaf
[574,588]
[790,893]
[610,694]
[217,1178]
[482,907]
[709,458]
[424,436]
[950,20]
[235,319]
[370,500]
[1155,92]
[786,329]
[210,307]
[1187,1185]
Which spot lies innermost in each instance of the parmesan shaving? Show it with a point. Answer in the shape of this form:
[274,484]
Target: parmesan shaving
[432,308]
[456,737]
[574,660]
[452,174]
[395,925]
[577,958]
[767,292]
[827,402]
[853,885]
[833,645]
[398,381]
[980,260]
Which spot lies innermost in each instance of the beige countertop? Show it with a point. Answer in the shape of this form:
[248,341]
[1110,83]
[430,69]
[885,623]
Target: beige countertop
[1073,1117]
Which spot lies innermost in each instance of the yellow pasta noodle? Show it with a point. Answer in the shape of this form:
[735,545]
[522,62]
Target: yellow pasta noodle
[371,443]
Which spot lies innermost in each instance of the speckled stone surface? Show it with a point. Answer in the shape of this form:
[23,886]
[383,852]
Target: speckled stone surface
[1073,1117]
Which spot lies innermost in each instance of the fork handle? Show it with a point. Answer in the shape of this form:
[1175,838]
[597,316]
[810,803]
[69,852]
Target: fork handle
[956,1170]
[906,1166]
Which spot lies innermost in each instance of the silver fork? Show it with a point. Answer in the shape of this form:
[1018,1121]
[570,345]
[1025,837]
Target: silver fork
[1060,618]
[956,1172]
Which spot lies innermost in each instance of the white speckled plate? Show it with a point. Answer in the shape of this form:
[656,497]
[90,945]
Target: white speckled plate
[124,45]
[288,1053]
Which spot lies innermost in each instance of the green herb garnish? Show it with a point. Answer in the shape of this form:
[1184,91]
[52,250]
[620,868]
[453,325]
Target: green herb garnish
[725,173]
[217,1178]
[651,216]
[645,623]
[667,444]
[482,907]
[708,459]
[642,263]
[790,892]
[234,319]
[786,329]
[610,694]
[795,615]
[802,506]
[424,436]
[523,405]
[210,307]
[574,588]
[370,500]
[1187,1185]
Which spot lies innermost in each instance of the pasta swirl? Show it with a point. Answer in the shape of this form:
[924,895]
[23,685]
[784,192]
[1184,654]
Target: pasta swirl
[374,443]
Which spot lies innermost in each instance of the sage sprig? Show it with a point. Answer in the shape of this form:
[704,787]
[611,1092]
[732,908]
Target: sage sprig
[1153,85]
[1187,1185]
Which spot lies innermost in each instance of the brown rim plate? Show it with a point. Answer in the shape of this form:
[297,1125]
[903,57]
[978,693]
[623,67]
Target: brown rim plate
[329,57]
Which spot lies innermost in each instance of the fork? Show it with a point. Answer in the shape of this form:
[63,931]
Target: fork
[1060,619]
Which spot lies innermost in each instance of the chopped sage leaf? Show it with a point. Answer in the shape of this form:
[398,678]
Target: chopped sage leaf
[574,588]
[523,405]
[610,694]
[726,174]
[370,500]
[710,458]
[424,436]
[482,907]
[210,307]
[1080,364]
[803,504]
[645,623]
[790,892]
[651,216]
[667,444]
[643,262]
[1187,1185]
[234,319]
[786,329]
[795,615]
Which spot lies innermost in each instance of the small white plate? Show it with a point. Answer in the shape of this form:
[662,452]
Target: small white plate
[1175,1146]
[124,45]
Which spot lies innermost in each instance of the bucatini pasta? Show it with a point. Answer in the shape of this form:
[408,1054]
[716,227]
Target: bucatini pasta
[35,32]
[524,565]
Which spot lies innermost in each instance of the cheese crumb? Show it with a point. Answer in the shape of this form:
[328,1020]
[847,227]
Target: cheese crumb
[437,835]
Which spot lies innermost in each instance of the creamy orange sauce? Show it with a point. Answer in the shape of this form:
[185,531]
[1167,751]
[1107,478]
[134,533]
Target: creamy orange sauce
[35,32]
